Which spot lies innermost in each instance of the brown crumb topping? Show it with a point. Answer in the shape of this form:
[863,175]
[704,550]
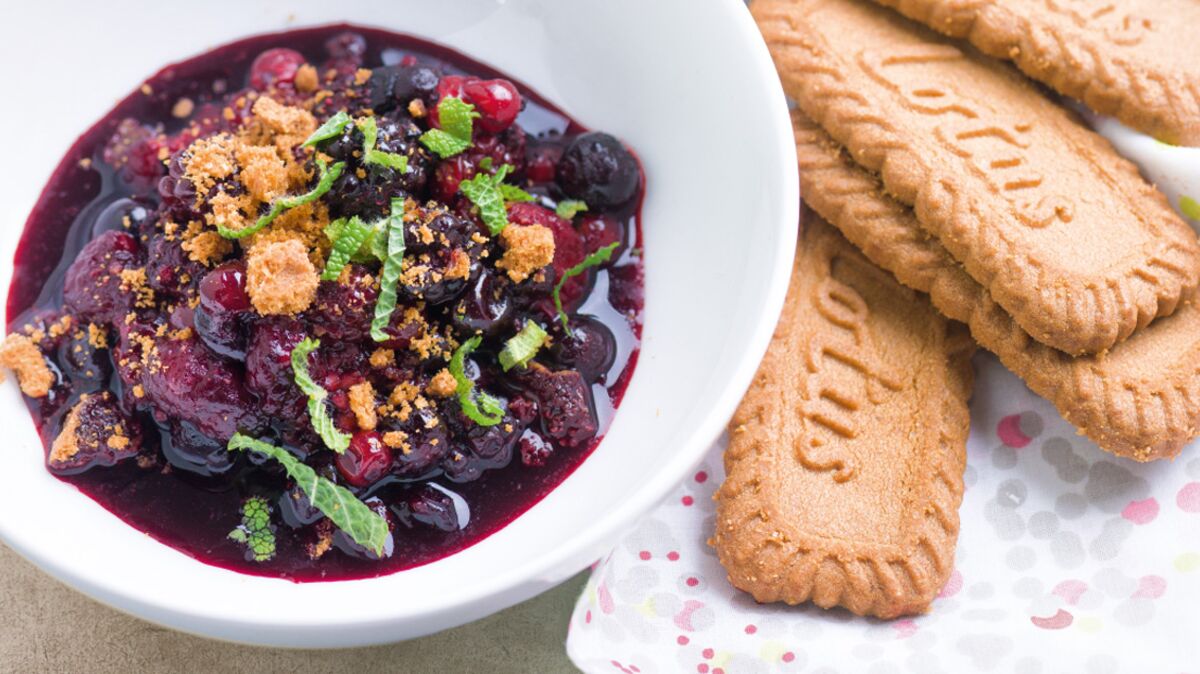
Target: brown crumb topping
[66,445]
[21,355]
[526,250]
[396,439]
[280,278]
[306,79]
[442,385]
[362,403]
[134,281]
[381,358]
[210,160]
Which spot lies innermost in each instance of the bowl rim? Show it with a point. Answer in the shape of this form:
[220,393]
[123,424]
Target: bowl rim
[512,586]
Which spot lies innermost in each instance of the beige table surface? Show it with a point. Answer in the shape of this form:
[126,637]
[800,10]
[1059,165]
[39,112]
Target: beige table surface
[47,627]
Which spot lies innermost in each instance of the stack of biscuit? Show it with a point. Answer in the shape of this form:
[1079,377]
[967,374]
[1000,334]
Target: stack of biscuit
[971,186]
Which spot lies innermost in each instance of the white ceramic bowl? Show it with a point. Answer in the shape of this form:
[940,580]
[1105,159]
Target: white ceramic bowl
[689,85]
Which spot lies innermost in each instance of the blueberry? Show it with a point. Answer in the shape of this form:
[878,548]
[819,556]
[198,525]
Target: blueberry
[597,169]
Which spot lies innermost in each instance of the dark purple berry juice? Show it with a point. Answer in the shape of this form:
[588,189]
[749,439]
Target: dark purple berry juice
[329,266]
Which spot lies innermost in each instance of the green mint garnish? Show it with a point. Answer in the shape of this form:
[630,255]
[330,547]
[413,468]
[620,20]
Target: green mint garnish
[347,513]
[321,421]
[486,411]
[486,163]
[328,175]
[489,194]
[569,208]
[393,257]
[599,257]
[454,136]
[333,127]
[522,346]
[370,132]
[255,531]
[348,238]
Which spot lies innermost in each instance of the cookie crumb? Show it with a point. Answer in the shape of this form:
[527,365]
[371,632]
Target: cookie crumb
[527,249]
[66,445]
[280,278]
[306,79]
[381,358]
[443,384]
[21,355]
[362,403]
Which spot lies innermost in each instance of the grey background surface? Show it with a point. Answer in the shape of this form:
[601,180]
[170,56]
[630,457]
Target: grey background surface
[48,627]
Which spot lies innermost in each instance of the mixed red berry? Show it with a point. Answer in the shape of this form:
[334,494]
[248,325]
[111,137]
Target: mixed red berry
[370,268]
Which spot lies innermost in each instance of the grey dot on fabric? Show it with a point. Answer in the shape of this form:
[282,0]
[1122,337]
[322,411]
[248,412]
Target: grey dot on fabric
[1043,524]
[1135,612]
[986,651]
[1067,549]
[1070,505]
[1114,583]
[1004,457]
[1031,424]
[1020,558]
[867,651]
[1107,544]
[1011,493]
[1101,663]
[970,476]
[1193,468]
[1111,487]
[984,614]
[1069,466]
[1007,523]
[980,591]
[1027,665]
[1027,587]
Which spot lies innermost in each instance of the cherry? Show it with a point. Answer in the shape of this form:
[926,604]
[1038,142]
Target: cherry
[275,66]
[497,102]
[223,306]
[599,231]
[92,286]
[366,460]
[590,348]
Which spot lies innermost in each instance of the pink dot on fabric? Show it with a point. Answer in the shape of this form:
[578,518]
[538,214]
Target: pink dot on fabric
[789,656]
[1058,621]
[587,617]
[1009,431]
[683,619]
[687,500]
[904,628]
[606,601]
[751,629]
[682,640]
[634,668]
[702,477]
[1189,498]
[644,555]
[952,586]
[707,653]
[1070,590]
[692,582]
[718,670]
[1151,587]
[1141,512]
[673,556]
[702,668]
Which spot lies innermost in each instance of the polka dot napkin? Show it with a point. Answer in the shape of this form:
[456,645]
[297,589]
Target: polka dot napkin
[1069,560]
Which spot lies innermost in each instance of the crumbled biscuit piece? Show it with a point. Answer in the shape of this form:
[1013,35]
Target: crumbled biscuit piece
[229,211]
[97,336]
[459,267]
[21,355]
[284,119]
[280,277]
[361,76]
[134,281]
[306,79]
[207,248]
[263,173]
[183,108]
[362,403]
[443,384]
[526,250]
[396,439]
[66,445]
[381,358]
[209,160]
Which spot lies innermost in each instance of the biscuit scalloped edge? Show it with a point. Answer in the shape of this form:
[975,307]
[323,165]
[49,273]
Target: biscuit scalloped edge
[1144,416]
[1119,303]
[1106,83]
[884,581]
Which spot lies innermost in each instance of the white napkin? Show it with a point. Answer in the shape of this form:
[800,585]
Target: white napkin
[1069,559]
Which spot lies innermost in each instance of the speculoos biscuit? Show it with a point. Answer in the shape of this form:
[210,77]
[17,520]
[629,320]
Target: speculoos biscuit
[846,457]
[1136,60]
[1141,400]
[1039,209]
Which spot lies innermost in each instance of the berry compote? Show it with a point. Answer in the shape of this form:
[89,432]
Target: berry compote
[333,256]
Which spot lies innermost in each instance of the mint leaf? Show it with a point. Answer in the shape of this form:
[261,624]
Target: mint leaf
[349,237]
[347,513]
[370,132]
[317,410]
[599,257]
[255,531]
[486,163]
[512,193]
[454,136]
[334,126]
[569,208]
[491,412]
[522,346]
[328,175]
[489,194]
[393,259]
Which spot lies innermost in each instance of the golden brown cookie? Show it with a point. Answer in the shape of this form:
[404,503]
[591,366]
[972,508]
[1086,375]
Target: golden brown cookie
[1141,400]
[1136,60]
[846,457]
[1041,211]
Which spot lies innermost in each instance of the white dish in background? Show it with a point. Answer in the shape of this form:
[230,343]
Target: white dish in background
[688,85]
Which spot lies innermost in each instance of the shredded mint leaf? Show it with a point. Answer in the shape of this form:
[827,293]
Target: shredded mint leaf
[255,531]
[393,259]
[346,512]
[486,163]
[522,346]
[454,136]
[370,132]
[599,257]
[321,421]
[491,413]
[569,208]
[350,236]
[328,175]
[333,127]
[512,193]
